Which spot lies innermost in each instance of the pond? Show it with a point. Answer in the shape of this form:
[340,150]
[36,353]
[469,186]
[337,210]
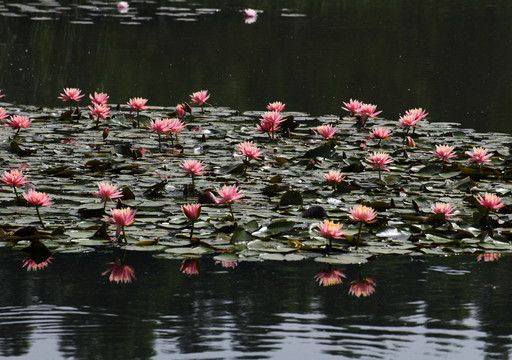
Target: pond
[428,307]
[326,254]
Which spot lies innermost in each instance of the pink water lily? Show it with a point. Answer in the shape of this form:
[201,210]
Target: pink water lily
[251,16]
[490,201]
[228,195]
[418,113]
[191,212]
[38,199]
[71,94]
[379,161]
[3,113]
[444,152]
[161,127]
[249,151]
[353,106]
[180,111]
[121,218]
[137,104]
[479,155]
[380,133]
[327,131]
[193,168]
[362,214]
[276,106]
[15,178]
[99,98]
[270,123]
[100,111]
[18,122]
[362,287]
[330,230]
[369,110]
[334,177]
[330,277]
[107,191]
[488,257]
[32,265]
[190,267]
[199,98]
[443,208]
[123,7]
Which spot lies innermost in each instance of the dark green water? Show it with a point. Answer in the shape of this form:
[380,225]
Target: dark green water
[450,307]
[451,57]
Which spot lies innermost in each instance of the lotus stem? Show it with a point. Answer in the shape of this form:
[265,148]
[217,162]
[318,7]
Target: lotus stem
[192,231]
[39,216]
[231,211]
[124,236]
[359,234]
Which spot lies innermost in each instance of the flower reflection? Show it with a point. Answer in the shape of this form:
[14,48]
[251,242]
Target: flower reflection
[227,264]
[362,287]
[330,277]
[488,257]
[190,267]
[120,273]
[32,265]
[251,16]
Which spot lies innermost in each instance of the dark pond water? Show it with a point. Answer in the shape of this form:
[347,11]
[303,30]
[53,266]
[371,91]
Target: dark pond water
[434,307]
[451,57]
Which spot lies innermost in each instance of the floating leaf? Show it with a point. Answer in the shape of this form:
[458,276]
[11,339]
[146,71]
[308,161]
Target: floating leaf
[291,197]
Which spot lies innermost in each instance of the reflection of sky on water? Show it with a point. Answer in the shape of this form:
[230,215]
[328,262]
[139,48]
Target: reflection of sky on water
[451,307]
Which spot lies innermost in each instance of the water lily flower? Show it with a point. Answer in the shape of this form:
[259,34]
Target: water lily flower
[488,257]
[191,212]
[176,126]
[99,98]
[160,126]
[32,265]
[369,110]
[380,133]
[3,113]
[71,94]
[444,152]
[327,131]
[199,98]
[276,106]
[249,150]
[410,142]
[479,155]
[138,104]
[362,287]
[1,95]
[408,121]
[228,195]
[107,191]
[121,218]
[38,199]
[193,168]
[443,208]
[330,277]
[418,113]
[190,267]
[227,264]
[101,111]
[353,106]
[330,230]
[120,273]
[123,7]
[270,123]
[379,161]
[180,111]
[362,214]
[18,122]
[251,16]
[334,177]
[490,201]
[15,178]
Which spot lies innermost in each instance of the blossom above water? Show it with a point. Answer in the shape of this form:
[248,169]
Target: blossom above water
[14,177]
[379,160]
[408,121]
[38,198]
[362,287]
[443,208]
[101,111]
[380,133]
[417,113]
[229,194]
[327,131]
[369,110]
[121,218]
[99,98]
[3,113]
[490,201]
[362,213]
[353,106]
[180,111]
[120,273]
[71,94]
[200,97]
[137,103]
[123,7]
[330,230]
[479,155]
[193,167]
[160,126]
[270,122]
[410,142]
[330,277]
[334,176]
[191,211]
[444,152]
[18,122]
[276,106]
[107,191]
[249,151]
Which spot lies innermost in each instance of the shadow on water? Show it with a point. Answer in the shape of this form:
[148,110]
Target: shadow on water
[453,306]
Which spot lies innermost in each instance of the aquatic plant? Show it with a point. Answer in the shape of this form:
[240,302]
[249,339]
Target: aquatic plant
[362,214]
[250,15]
[38,199]
[191,212]
[334,177]
[161,127]
[362,287]
[330,277]
[443,208]
[100,111]
[326,131]
[444,152]
[199,98]
[229,194]
[15,178]
[137,104]
[330,230]
[190,267]
[18,122]
[379,161]
[71,94]
[107,191]
[380,133]
[276,106]
[121,218]
[99,98]
[479,156]
[353,107]
[119,272]
[193,168]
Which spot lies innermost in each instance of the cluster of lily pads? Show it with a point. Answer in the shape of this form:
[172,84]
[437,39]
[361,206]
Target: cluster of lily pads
[303,185]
